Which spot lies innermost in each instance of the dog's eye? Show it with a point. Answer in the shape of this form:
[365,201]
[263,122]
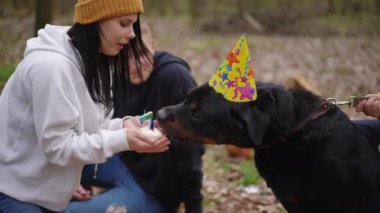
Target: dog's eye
[195,113]
[194,110]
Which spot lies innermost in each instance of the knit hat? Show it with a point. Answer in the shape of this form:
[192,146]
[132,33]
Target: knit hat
[90,11]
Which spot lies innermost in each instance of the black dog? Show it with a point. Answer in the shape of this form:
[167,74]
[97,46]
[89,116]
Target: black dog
[307,150]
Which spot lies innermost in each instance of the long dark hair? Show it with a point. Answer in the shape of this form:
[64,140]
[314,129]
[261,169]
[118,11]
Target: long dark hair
[99,70]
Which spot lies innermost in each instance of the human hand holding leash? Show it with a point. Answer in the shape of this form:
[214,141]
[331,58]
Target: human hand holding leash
[370,106]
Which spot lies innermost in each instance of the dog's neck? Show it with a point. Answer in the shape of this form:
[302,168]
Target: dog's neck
[316,113]
[305,108]
[303,103]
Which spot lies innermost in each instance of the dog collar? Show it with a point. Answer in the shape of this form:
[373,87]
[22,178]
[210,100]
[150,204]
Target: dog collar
[316,113]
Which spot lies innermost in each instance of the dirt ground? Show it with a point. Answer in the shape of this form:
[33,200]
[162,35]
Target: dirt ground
[336,66]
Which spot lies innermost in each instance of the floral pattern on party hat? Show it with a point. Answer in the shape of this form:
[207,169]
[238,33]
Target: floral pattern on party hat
[234,79]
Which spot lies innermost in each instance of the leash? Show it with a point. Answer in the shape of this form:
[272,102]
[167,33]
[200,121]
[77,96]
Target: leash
[316,113]
[352,101]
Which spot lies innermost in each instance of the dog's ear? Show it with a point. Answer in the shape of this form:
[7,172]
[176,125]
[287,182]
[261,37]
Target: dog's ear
[265,100]
[256,117]
[254,123]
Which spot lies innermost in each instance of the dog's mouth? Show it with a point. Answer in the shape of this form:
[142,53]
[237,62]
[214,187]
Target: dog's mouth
[177,140]
[177,134]
[175,129]
[174,134]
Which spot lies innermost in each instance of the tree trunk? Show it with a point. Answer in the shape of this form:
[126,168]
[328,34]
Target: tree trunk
[330,6]
[5,7]
[43,14]
[354,6]
[196,10]
[65,6]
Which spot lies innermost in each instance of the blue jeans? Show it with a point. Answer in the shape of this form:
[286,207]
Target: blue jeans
[371,130]
[11,205]
[124,191]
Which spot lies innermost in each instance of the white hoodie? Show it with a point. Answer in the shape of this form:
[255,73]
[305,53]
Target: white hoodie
[49,125]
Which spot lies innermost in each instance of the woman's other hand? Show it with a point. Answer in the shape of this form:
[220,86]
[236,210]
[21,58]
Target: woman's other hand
[82,194]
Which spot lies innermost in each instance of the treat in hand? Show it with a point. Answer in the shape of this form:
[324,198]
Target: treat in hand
[155,133]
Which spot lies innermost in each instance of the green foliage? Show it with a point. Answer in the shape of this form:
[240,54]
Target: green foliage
[206,202]
[5,73]
[226,167]
[355,23]
[250,174]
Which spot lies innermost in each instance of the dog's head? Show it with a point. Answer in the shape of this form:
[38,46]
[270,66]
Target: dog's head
[206,117]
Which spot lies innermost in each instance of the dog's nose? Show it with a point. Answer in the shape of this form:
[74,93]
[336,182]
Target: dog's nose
[165,115]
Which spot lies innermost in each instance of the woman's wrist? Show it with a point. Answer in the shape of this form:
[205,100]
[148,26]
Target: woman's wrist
[124,119]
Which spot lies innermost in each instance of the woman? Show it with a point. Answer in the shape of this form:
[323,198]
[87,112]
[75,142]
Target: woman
[55,108]
[149,183]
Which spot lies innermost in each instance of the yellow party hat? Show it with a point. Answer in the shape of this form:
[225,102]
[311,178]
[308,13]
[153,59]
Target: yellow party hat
[234,79]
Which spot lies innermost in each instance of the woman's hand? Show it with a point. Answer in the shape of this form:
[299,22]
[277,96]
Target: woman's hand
[132,122]
[82,194]
[370,106]
[140,142]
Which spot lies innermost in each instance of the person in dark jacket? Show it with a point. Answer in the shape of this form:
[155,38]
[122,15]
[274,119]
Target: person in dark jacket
[174,176]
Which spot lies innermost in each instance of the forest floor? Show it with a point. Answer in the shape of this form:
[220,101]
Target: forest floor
[336,66]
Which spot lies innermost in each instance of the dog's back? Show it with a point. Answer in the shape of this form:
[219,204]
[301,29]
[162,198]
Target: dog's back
[326,166]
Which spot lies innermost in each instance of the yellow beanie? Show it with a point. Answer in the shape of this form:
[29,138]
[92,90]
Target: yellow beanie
[89,11]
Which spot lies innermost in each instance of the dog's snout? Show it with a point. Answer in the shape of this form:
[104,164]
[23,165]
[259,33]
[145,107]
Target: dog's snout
[165,115]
